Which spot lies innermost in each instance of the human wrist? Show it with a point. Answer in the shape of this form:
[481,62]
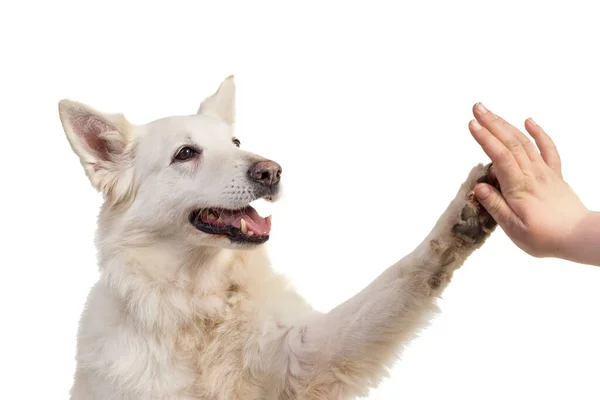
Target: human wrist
[582,242]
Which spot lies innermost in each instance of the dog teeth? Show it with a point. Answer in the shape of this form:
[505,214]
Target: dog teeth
[211,217]
[244,228]
[220,220]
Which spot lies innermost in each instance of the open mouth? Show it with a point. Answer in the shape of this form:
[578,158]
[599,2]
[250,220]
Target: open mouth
[240,226]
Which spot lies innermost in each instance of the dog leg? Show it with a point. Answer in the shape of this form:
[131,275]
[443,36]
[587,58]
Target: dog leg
[343,353]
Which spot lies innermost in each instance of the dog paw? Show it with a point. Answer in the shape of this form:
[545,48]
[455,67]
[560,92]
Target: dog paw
[463,228]
[474,223]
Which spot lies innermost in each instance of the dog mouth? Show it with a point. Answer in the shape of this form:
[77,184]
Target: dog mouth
[244,226]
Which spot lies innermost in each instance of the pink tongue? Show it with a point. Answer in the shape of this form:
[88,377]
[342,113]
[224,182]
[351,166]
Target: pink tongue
[255,223]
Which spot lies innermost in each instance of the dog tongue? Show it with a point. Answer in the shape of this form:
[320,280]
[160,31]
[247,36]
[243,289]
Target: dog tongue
[255,223]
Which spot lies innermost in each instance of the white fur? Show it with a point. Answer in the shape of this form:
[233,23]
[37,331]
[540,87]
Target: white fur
[179,314]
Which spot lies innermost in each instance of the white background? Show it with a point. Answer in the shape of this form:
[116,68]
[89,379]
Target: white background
[366,107]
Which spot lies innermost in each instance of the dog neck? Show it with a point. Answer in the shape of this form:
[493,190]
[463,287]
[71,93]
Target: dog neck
[164,285]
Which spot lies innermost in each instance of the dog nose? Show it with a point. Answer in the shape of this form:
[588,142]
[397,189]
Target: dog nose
[266,173]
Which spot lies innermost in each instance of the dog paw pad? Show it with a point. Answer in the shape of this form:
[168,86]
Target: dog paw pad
[475,223]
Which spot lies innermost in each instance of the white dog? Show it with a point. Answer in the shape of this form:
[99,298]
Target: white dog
[187,305]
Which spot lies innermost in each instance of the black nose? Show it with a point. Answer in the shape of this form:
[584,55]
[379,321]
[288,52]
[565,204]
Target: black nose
[266,173]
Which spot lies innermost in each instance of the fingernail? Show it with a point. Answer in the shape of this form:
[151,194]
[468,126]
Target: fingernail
[481,108]
[482,191]
[532,121]
[475,124]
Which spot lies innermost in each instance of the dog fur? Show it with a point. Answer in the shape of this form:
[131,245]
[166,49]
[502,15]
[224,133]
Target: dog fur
[181,314]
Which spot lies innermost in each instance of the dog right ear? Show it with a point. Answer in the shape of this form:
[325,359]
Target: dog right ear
[102,142]
[221,104]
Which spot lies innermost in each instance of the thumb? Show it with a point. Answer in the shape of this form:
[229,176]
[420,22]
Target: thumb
[496,205]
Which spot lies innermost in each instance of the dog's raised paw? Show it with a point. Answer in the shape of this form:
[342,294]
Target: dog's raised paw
[475,223]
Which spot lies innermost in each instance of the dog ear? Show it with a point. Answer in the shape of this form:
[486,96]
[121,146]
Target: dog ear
[221,104]
[103,144]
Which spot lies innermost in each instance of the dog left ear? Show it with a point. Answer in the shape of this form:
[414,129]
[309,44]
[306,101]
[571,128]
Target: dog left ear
[221,104]
[103,143]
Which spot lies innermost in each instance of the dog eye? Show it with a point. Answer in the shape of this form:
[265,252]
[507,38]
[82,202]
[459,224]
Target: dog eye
[185,153]
[237,142]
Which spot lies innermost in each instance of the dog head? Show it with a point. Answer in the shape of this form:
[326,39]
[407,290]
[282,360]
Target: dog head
[182,177]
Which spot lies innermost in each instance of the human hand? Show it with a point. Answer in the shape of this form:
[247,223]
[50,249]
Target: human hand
[537,209]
